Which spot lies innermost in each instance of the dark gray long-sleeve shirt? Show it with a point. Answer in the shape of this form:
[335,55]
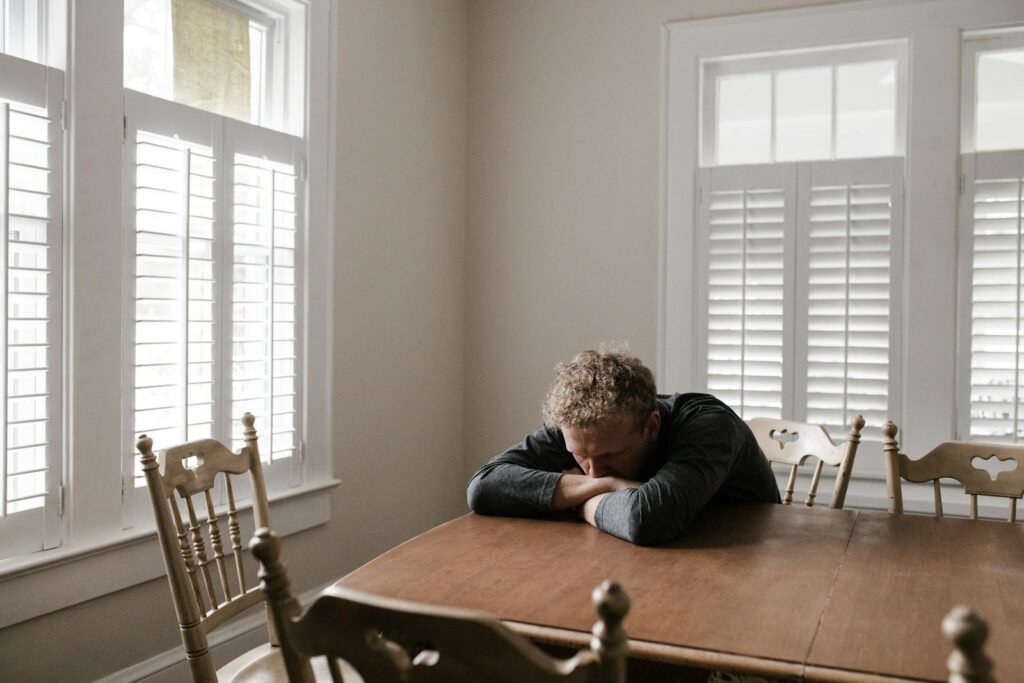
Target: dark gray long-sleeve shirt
[704,452]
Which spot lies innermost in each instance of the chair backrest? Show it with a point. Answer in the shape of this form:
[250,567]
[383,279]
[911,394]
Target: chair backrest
[388,640]
[954,460]
[968,662]
[792,443]
[208,586]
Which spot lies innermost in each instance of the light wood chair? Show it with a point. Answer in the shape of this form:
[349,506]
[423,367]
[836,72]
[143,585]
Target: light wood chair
[792,443]
[208,586]
[968,662]
[388,640]
[954,460]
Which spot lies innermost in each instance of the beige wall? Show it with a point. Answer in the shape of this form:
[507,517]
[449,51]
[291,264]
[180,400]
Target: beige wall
[398,299]
[563,188]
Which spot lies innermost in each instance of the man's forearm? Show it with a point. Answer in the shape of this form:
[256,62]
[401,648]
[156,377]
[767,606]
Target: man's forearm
[576,489]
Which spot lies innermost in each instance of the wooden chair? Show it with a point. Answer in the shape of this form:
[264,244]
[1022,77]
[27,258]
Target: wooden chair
[954,460]
[388,640]
[792,443]
[968,662]
[207,587]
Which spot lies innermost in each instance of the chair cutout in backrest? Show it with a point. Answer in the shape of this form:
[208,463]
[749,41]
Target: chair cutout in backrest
[792,443]
[955,460]
[208,586]
[968,662]
[387,640]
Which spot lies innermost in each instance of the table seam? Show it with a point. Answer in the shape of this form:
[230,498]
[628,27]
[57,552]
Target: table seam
[828,599]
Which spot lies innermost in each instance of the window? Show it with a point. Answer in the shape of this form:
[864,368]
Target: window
[171,311]
[216,232]
[992,210]
[842,219]
[799,234]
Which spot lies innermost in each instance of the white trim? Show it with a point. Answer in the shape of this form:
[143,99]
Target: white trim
[41,583]
[239,635]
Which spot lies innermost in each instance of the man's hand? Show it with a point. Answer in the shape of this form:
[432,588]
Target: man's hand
[575,489]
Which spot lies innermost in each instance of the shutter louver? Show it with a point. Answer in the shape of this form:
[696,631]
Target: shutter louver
[745,300]
[848,304]
[996,295]
[264,363]
[32,350]
[174,291]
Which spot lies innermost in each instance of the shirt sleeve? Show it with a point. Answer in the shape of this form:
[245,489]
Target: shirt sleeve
[700,459]
[521,481]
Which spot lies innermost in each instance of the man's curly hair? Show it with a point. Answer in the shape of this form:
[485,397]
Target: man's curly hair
[598,384]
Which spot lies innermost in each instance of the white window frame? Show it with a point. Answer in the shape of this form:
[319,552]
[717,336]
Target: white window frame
[95,543]
[929,291]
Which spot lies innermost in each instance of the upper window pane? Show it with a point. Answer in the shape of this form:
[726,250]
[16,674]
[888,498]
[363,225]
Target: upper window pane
[22,29]
[803,114]
[866,109]
[744,119]
[214,55]
[1000,100]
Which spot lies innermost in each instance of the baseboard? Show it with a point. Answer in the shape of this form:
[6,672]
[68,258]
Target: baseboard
[226,643]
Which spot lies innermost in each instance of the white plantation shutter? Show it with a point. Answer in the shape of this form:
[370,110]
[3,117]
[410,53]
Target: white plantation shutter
[266,241]
[31,160]
[798,264]
[992,212]
[850,223]
[747,222]
[173,220]
[215,231]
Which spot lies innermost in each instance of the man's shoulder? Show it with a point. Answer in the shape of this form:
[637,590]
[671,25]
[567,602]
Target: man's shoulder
[689,405]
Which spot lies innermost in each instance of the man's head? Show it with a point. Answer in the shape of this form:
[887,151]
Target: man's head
[605,404]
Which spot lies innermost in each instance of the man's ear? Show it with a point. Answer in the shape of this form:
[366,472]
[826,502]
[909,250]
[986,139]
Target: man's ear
[653,425]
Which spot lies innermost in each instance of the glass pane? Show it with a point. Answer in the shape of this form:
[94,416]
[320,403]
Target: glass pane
[744,124]
[196,52]
[866,109]
[1000,100]
[803,113]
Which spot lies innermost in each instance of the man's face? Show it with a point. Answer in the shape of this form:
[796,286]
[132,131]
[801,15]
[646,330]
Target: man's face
[615,447]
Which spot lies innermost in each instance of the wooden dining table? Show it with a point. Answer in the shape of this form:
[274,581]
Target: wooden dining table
[779,591]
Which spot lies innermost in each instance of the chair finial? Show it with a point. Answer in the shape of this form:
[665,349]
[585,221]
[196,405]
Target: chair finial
[968,662]
[889,430]
[609,638]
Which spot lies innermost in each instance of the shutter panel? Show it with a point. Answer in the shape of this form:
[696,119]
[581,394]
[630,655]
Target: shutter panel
[995,209]
[174,290]
[31,258]
[745,232]
[266,261]
[848,231]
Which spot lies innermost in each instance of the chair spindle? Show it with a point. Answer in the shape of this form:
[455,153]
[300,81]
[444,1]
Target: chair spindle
[218,549]
[813,490]
[199,547]
[1013,511]
[186,553]
[790,485]
[938,499]
[234,530]
[974,506]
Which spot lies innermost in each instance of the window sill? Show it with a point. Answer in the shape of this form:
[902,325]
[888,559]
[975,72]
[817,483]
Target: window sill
[45,582]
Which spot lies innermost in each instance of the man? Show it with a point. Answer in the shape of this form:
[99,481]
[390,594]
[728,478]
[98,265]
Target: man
[633,463]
